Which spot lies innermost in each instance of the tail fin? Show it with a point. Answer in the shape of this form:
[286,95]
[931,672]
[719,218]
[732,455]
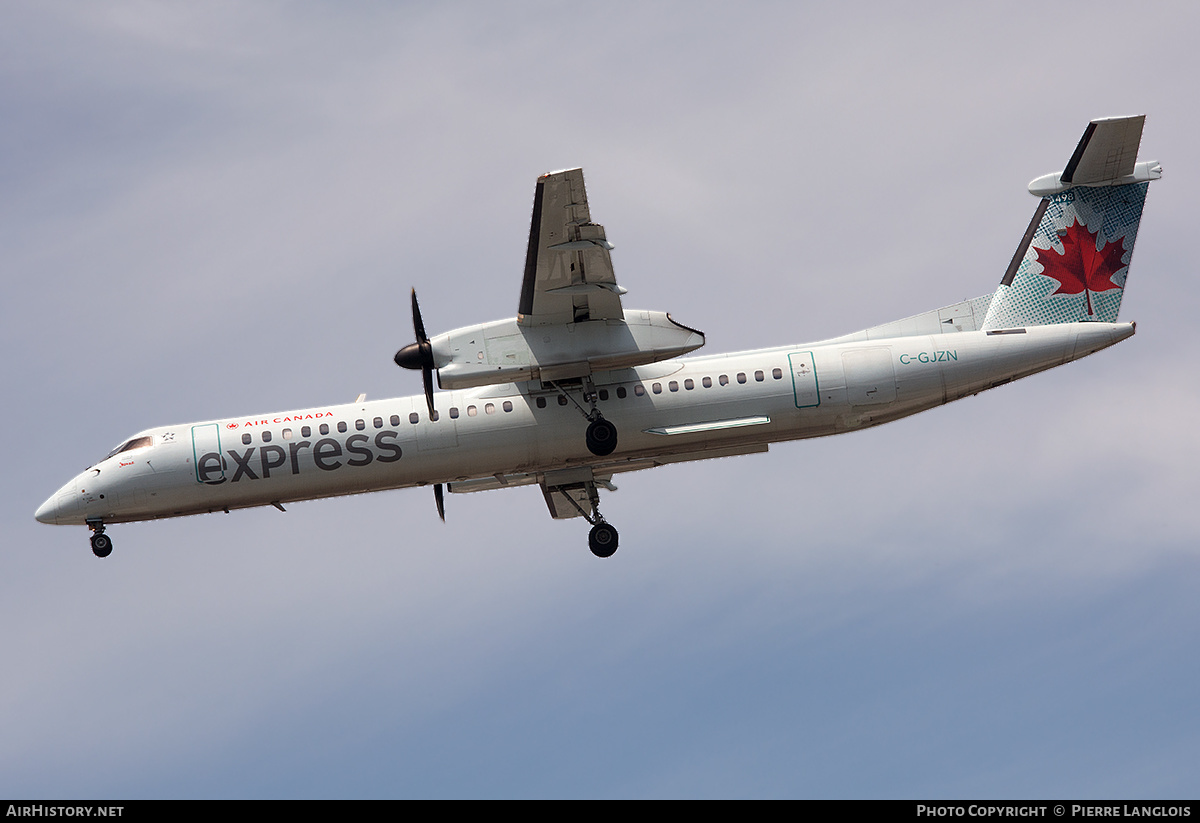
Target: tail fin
[1073,261]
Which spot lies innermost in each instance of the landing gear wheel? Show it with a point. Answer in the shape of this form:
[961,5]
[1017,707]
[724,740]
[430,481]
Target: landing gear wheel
[602,540]
[601,437]
[101,544]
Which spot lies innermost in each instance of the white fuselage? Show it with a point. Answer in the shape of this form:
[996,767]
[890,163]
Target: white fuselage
[499,435]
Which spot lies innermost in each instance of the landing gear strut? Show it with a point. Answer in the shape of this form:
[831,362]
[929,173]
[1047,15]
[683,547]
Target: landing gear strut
[601,436]
[101,542]
[602,539]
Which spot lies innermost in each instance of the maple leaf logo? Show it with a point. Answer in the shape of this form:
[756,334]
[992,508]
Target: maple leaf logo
[1081,267]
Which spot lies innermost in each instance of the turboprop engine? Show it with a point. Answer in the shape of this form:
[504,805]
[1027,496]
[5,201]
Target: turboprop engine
[504,351]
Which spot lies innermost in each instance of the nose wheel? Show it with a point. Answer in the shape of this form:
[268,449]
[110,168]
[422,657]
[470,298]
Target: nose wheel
[101,542]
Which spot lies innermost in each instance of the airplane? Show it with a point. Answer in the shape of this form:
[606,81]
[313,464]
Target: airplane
[576,388]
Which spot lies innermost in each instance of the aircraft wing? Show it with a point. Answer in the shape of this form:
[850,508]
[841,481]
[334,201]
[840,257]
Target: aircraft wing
[568,270]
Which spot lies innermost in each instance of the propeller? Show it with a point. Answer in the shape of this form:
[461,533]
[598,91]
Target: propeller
[419,355]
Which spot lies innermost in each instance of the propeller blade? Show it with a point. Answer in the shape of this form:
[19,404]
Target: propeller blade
[427,377]
[418,325]
[439,498]
[419,355]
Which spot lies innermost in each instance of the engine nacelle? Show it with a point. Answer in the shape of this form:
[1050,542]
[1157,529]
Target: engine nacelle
[505,352]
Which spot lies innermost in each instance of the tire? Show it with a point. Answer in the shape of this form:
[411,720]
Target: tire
[101,545]
[601,437]
[603,540]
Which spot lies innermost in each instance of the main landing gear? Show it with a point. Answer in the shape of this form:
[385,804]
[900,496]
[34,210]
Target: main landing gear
[101,542]
[601,435]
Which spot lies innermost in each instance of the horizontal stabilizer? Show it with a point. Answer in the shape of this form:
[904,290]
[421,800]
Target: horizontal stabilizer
[1106,156]
[1107,150]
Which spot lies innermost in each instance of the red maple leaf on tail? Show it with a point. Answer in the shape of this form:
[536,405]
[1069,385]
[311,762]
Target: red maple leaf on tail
[1081,267]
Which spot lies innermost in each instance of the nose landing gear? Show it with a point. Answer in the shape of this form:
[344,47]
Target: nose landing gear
[572,493]
[101,543]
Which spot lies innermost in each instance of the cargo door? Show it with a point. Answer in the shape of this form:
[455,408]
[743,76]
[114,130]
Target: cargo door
[870,376]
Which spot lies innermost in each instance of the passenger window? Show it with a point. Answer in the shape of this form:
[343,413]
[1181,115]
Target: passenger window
[724,380]
[541,402]
[360,424]
[490,408]
[287,434]
[674,385]
[562,401]
[508,405]
[639,390]
[741,377]
[759,376]
[454,412]
[342,426]
[324,428]
[413,418]
[377,422]
[689,384]
[777,374]
[305,431]
[395,421]
[472,411]
[621,392]
[246,439]
[437,415]
[604,394]
[656,388]
[707,382]
[266,437]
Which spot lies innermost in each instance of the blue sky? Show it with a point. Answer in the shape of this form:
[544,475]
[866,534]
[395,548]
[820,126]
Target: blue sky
[213,210]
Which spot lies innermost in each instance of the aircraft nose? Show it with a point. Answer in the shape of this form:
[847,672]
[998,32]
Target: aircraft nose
[48,511]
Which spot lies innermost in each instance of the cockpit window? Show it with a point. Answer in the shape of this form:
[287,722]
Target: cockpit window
[135,443]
